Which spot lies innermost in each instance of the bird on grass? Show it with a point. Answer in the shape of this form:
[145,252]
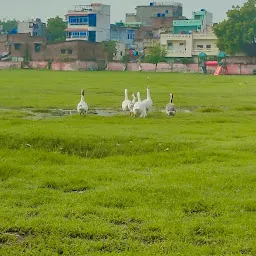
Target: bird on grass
[82,107]
[170,109]
[126,102]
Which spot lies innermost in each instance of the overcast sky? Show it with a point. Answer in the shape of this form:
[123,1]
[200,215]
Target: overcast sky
[24,9]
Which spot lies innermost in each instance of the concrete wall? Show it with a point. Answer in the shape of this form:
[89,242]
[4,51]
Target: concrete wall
[103,24]
[233,69]
[145,13]
[9,65]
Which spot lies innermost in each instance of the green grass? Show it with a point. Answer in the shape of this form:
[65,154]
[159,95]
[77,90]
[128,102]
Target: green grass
[118,185]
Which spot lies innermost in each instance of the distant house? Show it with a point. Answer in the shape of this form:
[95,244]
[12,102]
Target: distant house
[89,23]
[24,46]
[123,32]
[34,27]
[202,21]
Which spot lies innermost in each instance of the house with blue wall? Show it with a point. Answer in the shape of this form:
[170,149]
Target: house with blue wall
[89,22]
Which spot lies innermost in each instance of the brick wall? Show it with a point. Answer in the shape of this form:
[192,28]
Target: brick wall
[39,50]
[233,69]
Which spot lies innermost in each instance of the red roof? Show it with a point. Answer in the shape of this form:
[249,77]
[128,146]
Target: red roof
[75,29]
[77,14]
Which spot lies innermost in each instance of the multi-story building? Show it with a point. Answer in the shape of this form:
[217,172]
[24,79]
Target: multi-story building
[144,13]
[124,32]
[34,27]
[130,17]
[202,21]
[89,22]
[189,45]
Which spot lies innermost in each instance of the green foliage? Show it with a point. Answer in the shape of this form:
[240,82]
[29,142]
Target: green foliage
[56,29]
[9,25]
[109,48]
[238,32]
[26,56]
[179,186]
[156,54]
[187,60]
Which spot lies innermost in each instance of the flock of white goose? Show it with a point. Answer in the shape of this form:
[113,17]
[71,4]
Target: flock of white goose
[136,107]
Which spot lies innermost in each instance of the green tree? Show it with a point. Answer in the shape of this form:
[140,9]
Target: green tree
[9,25]
[238,32]
[109,48]
[56,29]
[156,54]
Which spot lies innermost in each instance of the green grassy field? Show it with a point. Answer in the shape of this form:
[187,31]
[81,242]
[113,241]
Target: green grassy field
[119,185]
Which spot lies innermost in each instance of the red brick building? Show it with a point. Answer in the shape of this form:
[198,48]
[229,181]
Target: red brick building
[25,46]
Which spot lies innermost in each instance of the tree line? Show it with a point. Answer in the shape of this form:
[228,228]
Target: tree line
[55,28]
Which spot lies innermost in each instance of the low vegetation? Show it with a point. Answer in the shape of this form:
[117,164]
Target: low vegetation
[117,185]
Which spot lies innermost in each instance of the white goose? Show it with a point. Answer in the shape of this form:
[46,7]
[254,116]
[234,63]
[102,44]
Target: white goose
[131,105]
[139,107]
[82,107]
[126,101]
[170,109]
[148,101]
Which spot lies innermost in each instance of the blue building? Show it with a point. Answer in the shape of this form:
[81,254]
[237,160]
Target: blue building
[124,32]
[89,22]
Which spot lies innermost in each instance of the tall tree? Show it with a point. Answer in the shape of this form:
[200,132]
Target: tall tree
[156,54]
[9,25]
[238,32]
[109,49]
[56,29]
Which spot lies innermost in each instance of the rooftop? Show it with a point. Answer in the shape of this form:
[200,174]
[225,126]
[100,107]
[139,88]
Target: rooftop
[165,4]
[94,7]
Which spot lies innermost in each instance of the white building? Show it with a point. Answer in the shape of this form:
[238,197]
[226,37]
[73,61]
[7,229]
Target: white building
[89,22]
[34,27]
[189,45]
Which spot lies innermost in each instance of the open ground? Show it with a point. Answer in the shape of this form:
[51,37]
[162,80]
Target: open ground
[111,184]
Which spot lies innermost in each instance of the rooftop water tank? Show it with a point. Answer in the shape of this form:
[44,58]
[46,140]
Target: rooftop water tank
[159,15]
[203,10]
[163,14]
[151,4]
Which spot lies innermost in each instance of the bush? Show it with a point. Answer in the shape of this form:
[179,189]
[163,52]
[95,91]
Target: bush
[254,72]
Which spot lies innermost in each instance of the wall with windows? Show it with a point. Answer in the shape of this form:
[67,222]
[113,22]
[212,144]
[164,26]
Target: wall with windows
[177,45]
[103,24]
[189,45]
[121,34]
[93,26]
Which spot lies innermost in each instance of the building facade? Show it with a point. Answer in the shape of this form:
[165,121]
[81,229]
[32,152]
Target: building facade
[22,47]
[189,45]
[89,23]
[202,21]
[34,27]
[124,32]
[144,13]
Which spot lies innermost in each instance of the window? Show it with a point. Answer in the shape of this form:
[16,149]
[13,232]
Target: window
[121,53]
[131,34]
[37,47]
[199,46]
[69,34]
[17,46]
[83,34]
[63,51]
[70,51]
[181,44]
[169,46]
[208,46]
[75,34]
[79,20]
